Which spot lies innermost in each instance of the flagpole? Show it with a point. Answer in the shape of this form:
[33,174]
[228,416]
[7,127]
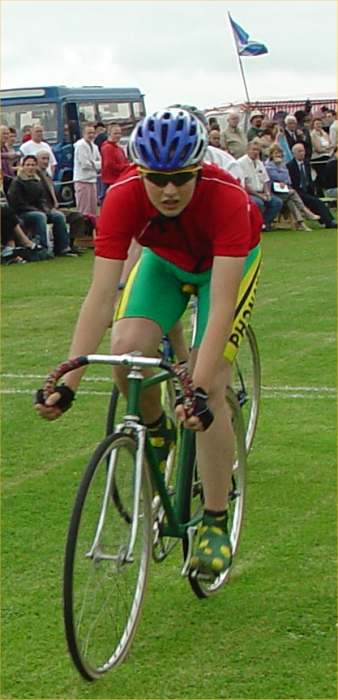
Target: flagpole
[243,76]
[240,65]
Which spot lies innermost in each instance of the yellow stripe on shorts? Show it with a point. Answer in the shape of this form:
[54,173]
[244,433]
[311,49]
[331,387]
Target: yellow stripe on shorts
[245,304]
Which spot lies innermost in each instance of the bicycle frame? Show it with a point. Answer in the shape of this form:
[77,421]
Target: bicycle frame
[175,527]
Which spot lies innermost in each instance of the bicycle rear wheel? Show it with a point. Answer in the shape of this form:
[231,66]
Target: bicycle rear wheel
[247,384]
[202,586]
[103,589]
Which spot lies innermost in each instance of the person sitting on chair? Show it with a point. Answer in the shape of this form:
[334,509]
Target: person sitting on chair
[301,179]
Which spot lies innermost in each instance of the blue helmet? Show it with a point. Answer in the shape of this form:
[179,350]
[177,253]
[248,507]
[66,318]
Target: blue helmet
[168,140]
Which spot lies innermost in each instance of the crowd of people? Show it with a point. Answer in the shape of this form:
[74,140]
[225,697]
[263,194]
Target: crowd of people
[288,165]
[30,211]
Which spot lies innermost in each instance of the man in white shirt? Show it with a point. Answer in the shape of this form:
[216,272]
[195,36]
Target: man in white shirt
[36,144]
[257,184]
[225,161]
[87,165]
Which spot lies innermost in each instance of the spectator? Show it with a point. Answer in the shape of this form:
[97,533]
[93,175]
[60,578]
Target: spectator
[36,144]
[257,184]
[294,134]
[307,121]
[87,165]
[333,134]
[330,176]
[300,117]
[114,159]
[321,146]
[27,197]
[15,245]
[301,179]
[101,134]
[235,137]
[14,154]
[12,136]
[74,219]
[26,133]
[283,143]
[224,160]
[215,138]
[6,160]
[256,128]
[329,119]
[265,141]
[321,152]
[281,187]
[213,124]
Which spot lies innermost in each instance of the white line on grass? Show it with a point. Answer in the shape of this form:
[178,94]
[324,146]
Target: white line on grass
[274,389]
[268,395]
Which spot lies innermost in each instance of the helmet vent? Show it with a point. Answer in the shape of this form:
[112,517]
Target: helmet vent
[164,133]
[155,149]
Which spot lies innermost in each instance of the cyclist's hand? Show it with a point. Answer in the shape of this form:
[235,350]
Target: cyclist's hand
[56,404]
[201,417]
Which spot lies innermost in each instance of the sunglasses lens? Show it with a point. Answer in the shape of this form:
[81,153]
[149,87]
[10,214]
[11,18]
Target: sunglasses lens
[157,179]
[162,179]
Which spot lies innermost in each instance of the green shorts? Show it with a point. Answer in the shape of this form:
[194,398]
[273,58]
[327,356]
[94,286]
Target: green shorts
[155,290]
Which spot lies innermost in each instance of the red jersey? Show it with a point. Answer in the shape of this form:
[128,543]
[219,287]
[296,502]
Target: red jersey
[114,161]
[219,220]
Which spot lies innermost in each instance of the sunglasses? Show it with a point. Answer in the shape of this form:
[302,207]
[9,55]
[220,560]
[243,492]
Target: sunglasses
[162,179]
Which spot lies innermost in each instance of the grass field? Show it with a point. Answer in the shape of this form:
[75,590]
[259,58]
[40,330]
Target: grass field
[271,632]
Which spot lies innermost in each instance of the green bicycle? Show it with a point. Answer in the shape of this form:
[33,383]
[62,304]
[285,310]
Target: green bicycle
[127,511]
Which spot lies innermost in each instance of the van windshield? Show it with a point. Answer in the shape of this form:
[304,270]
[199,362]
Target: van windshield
[27,114]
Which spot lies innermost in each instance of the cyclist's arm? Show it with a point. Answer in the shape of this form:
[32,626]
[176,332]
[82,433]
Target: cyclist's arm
[94,318]
[96,313]
[225,280]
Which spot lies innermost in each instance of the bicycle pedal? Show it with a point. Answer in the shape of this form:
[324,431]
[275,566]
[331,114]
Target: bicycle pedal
[194,573]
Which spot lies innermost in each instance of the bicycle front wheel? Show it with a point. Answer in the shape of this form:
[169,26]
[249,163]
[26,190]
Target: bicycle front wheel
[104,586]
[247,384]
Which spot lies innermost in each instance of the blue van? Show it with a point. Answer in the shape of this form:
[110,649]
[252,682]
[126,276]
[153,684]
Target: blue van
[62,111]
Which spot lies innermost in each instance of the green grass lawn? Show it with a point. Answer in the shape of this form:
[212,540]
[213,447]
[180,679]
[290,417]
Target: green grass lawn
[271,632]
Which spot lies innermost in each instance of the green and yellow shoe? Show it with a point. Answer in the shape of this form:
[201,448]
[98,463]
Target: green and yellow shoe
[163,439]
[213,553]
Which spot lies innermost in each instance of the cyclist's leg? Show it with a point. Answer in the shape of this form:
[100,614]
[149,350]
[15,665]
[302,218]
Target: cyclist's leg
[177,340]
[215,447]
[151,304]
[143,335]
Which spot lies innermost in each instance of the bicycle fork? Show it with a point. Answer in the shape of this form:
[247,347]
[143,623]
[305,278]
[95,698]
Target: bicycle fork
[95,551]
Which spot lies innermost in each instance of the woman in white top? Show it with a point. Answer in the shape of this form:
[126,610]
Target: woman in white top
[321,152]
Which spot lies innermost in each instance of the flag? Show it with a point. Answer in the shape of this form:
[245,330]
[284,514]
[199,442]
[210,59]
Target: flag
[245,47]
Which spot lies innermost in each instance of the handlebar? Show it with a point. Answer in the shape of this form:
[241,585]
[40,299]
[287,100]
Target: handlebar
[128,360]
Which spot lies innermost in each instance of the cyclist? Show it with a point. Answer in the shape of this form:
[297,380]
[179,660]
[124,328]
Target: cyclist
[197,226]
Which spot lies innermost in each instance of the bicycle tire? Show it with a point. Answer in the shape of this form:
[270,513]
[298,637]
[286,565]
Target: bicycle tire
[247,384]
[201,586]
[103,598]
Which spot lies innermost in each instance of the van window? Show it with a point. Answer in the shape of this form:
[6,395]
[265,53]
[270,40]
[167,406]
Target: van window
[109,111]
[28,114]
[87,112]
[138,110]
